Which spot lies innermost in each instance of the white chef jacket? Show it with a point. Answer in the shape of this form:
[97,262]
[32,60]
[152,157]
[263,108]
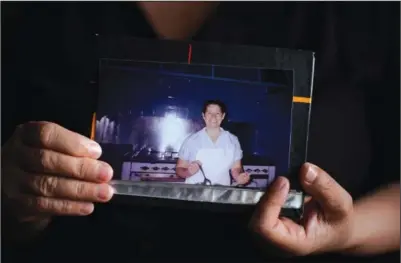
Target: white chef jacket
[217,158]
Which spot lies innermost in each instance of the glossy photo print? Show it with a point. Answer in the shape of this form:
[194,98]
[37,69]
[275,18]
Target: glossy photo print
[201,124]
[194,124]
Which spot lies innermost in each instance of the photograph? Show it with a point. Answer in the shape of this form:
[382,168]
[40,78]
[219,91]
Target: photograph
[198,124]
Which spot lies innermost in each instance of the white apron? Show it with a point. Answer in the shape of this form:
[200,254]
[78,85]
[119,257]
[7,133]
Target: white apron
[216,164]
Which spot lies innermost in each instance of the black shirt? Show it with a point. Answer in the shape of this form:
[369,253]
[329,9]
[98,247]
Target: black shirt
[46,67]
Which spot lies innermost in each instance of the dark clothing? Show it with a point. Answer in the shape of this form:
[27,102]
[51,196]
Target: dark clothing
[354,135]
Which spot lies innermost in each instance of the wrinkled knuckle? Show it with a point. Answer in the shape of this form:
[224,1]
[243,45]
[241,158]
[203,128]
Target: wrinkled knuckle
[47,160]
[47,133]
[65,207]
[43,158]
[83,168]
[47,185]
[42,204]
[79,189]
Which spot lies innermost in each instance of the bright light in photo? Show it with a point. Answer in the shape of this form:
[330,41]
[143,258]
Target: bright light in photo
[105,130]
[173,131]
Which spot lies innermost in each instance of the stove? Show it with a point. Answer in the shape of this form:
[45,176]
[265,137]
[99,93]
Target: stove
[164,171]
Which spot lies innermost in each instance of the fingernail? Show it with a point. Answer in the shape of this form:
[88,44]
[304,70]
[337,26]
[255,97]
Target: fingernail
[104,172]
[281,183]
[104,192]
[94,150]
[86,209]
[311,174]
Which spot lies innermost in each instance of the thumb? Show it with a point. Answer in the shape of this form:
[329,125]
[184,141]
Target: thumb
[333,199]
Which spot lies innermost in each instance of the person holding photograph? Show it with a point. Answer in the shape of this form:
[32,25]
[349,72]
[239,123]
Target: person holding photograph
[52,178]
[210,154]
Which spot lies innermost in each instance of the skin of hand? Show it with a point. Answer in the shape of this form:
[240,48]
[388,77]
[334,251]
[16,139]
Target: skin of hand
[327,221]
[242,178]
[48,170]
[194,167]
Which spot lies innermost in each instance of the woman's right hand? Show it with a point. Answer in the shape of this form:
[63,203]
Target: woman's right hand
[194,167]
[48,170]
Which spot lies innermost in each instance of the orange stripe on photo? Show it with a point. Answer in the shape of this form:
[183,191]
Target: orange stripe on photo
[189,53]
[301,99]
[93,128]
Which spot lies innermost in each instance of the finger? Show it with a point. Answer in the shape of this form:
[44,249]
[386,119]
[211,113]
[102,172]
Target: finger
[65,188]
[266,222]
[198,163]
[310,208]
[54,137]
[307,199]
[48,205]
[50,162]
[270,205]
[332,198]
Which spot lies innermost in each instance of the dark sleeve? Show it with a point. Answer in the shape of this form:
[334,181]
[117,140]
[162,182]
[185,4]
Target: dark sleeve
[32,77]
[29,37]
[14,99]
[99,237]
[383,97]
[61,236]
[44,75]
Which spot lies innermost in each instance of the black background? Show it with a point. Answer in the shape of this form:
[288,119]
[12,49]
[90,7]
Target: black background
[46,67]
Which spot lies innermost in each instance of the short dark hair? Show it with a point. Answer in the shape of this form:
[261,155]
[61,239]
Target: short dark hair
[219,103]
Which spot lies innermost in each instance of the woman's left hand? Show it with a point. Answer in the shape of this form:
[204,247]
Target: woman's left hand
[327,222]
[242,178]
